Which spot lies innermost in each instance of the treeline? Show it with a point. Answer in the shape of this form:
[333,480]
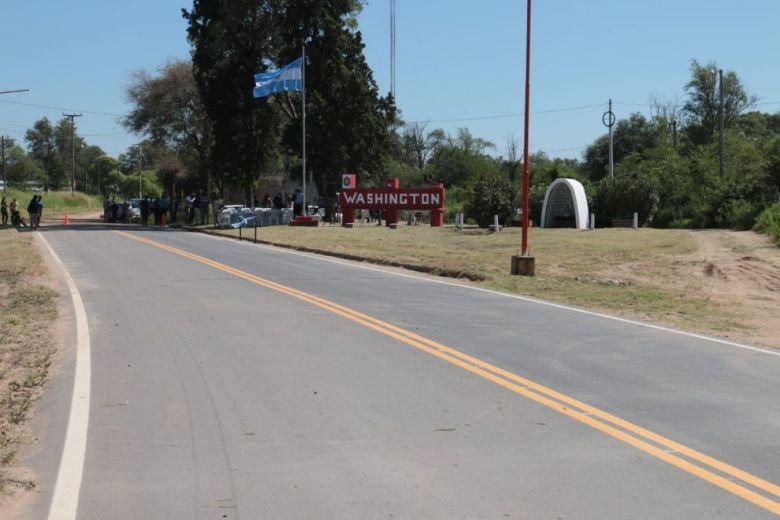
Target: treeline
[44,158]
[667,164]
[204,131]
[54,157]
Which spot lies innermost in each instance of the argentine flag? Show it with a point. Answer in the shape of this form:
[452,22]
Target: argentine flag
[287,79]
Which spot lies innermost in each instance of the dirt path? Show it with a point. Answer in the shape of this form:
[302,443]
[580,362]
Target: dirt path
[741,271]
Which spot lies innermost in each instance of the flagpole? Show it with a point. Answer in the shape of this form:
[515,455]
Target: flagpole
[303,97]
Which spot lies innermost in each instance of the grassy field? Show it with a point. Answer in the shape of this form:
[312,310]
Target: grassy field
[56,203]
[621,271]
[27,313]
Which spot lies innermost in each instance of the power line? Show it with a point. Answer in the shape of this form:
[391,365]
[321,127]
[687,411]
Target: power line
[51,107]
[505,116]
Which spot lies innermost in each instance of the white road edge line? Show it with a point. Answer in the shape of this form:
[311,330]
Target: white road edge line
[65,499]
[505,295]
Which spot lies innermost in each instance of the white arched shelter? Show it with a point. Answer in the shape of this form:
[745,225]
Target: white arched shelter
[565,205]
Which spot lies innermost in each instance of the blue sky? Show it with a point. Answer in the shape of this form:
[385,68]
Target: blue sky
[459,63]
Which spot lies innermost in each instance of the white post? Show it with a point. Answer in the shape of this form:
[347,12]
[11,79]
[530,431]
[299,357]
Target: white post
[495,223]
[592,221]
[636,220]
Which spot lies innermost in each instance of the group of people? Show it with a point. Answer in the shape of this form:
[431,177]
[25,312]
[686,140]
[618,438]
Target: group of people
[163,209]
[196,207]
[283,200]
[11,212]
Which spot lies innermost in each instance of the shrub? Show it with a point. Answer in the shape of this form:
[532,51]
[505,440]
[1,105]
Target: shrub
[738,214]
[768,222]
[622,196]
[492,194]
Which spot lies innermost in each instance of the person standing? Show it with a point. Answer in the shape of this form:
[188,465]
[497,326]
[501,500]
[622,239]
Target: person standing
[4,210]
[106,209]
[164,204]
[297,203]
[145,211]
[39,212]
[32,210]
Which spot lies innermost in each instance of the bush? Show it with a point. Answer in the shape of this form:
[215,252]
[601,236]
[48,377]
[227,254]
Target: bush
[768,222]
[738,214]
[625,194]
[492,194]
[455,200]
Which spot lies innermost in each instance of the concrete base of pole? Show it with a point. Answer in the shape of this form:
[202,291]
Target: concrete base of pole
[393,225]
[523,265]
[348,225]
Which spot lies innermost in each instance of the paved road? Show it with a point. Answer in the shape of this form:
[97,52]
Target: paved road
[238,381]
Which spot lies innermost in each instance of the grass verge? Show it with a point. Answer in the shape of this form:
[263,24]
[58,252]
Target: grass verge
[56,203]
[27,314]
[621,271]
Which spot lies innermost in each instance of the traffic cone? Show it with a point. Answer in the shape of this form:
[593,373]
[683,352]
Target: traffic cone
[67,220]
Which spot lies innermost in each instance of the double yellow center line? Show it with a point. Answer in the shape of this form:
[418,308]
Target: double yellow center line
[734,480]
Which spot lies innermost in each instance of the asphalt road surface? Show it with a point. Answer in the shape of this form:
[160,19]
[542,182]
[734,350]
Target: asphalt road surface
[230,380]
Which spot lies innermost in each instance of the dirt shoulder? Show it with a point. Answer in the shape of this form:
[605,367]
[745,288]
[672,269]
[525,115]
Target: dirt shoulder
[739,270]
[28,312]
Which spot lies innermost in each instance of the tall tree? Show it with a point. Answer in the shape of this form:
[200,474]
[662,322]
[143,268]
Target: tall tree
[702,108]
[20,167]
[348,123]
[231,41]
[167,108]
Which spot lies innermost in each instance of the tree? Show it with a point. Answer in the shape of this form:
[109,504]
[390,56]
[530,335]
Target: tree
[625,194]
[702,109]
[19,166]
[167,108]
[231,41]
[416,144]
[470,144]
[87,168]
[42,145]
[349,125]
[492,194]
[633,135]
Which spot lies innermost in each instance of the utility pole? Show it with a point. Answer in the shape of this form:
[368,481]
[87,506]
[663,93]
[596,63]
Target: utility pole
[2,150]
[523,263]
[72,150]
[722,124]
[608,119]
[674,133]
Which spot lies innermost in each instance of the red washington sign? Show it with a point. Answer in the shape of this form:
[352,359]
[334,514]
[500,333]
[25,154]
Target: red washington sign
[392,199]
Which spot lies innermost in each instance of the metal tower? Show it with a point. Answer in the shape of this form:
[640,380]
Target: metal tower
[392,48]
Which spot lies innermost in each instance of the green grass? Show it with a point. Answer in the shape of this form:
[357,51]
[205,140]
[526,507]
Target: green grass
[620,271]
[58,201]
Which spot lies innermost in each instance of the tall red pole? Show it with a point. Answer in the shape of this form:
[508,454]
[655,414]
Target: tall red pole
[526,176]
